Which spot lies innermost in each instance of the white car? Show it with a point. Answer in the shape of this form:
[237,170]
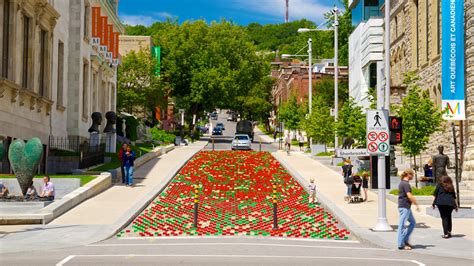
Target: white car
[241,142]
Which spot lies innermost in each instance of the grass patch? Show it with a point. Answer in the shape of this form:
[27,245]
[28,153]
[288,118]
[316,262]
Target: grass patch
[325,153]
[340,164]
[84,178]
[424,191]
[264,130]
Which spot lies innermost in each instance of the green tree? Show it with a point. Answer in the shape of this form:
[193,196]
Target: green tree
[291,113]
[420,117]
[139,88]
[320,124]
[352,122]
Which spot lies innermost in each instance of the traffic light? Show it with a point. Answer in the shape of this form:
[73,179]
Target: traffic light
[396,130]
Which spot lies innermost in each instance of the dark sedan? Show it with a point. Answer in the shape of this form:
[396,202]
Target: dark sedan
[217,131]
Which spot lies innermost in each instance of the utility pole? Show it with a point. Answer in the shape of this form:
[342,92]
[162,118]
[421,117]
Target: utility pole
[382,223]
[287,17]
[336,74]
[310,75]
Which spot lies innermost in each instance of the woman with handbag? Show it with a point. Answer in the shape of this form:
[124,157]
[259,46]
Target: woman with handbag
[445,200]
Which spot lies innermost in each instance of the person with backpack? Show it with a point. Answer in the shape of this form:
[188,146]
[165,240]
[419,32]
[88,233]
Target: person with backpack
[348,179]
[445,200]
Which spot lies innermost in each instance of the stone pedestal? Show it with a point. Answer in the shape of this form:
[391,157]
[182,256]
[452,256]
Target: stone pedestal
[111,142]
[94,139]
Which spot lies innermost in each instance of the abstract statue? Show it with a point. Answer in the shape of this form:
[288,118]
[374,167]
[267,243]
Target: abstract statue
[96,121]
[111,120]
[24,159]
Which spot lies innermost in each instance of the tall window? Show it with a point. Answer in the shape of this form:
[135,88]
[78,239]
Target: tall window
[43,52]
[26,51]
[86,20]
[85,90]
[427,29]
[417,30]
[6,38]
[60,84]
[438,24]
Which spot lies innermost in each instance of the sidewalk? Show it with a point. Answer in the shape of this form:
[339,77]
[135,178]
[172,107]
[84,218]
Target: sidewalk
[103,215]
[361,217]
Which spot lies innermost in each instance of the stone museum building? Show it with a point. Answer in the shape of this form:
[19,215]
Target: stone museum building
[52,76]
[416,46]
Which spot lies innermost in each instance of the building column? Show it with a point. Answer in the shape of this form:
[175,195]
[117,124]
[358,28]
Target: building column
[468,166]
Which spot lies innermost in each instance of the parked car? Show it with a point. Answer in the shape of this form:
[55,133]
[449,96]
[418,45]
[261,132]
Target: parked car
[217,131]
[241,142]
[221,126]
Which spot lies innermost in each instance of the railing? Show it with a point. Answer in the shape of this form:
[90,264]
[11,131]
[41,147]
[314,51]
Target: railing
[87,153]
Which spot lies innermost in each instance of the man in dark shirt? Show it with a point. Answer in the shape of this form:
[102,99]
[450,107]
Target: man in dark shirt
[405,199]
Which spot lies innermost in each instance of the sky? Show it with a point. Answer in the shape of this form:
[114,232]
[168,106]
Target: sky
[241,12]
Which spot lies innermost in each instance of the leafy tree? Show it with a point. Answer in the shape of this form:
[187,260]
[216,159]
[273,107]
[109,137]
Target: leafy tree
[420,117]
[352,122]
[320,124]
[139,88]
[291,114]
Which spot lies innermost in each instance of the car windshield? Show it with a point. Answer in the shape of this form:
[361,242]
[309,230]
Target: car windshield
[242,137]
[220,124]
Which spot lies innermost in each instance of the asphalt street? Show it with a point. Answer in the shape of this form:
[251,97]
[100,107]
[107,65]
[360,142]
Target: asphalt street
[224,141]
[225,251]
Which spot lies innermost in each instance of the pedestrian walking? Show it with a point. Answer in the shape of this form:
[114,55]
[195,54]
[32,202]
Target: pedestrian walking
[348,179]
[129,160]
[405,200]
[312,191]
[365,184]
[301,141]
[121,157]
[445,200]
[288,143]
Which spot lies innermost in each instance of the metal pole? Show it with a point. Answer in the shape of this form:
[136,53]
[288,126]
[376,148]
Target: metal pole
[336,74]
[310,75]
[275,209]
[196,205]
[456,163]
[382,223]
[212,143]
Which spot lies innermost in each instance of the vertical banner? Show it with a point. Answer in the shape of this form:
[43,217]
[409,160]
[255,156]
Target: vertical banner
[110,33]
[115,51]
[156,52]
[452,75]
[95,25]
[103,35]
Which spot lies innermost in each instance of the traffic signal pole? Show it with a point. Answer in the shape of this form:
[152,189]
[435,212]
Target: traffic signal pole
[383,102]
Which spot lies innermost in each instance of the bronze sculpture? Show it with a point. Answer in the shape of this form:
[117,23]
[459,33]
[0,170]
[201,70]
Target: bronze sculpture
[440,163]
[96,122]
[111,120]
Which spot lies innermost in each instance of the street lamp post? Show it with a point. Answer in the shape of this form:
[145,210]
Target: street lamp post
[336,69]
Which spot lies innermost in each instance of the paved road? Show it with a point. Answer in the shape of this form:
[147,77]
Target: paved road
[225,251]
[224,142]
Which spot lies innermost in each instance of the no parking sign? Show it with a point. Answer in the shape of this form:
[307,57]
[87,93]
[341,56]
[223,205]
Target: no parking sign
[378,133]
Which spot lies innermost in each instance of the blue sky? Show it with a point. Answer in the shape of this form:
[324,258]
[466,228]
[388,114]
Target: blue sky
[242,12]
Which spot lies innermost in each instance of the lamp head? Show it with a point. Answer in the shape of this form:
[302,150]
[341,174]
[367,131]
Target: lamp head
[302,30]
[285,56]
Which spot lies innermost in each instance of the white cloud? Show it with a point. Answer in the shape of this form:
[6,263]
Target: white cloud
[133,20]
[146,20]
[298,9]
